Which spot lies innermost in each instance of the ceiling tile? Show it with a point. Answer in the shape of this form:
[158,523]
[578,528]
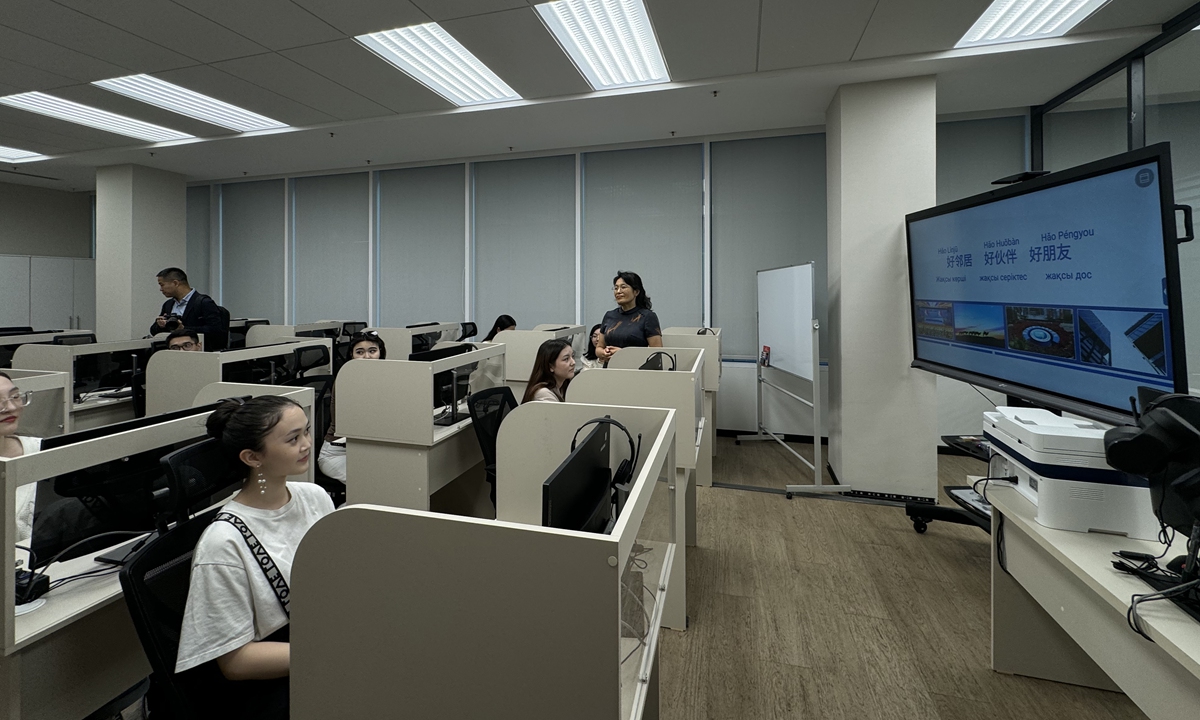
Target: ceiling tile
[799,33]
[706,38]
[170,25]
[517,47]
[450,9]
[276,24]
[21,143]
[54,58]
[39,128]
[292,80]
[59,24]
[26,78]
[349,64]
[365,16]
[112,102]
[906,27]
[1131,13]
[223,86]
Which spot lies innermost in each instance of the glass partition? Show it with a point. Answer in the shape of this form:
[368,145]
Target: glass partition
[1087,127]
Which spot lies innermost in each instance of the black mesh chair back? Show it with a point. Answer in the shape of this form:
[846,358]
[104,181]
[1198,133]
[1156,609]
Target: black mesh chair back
[488,409]
[155,583]
[341,355]
[469,330]
[310,358]
[197,477]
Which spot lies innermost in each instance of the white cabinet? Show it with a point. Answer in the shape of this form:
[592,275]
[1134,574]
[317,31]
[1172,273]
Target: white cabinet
[52,293]
[85,294]
[14,291]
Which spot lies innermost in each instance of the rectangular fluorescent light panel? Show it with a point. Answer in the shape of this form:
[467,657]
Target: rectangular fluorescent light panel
[74,112]
[180,100]
[429,55]
[1015,20]
[611,41]
[8,154]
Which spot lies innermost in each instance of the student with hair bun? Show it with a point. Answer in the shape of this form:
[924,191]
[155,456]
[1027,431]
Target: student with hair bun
[234,637]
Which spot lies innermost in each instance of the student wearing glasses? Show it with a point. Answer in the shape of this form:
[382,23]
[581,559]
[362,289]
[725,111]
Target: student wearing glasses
[12,403]
[632,323]
[184,339]
[332,458]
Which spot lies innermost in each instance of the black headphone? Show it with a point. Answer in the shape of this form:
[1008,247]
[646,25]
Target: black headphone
[1146,448]
[624,472]
[658,354]
[706,331]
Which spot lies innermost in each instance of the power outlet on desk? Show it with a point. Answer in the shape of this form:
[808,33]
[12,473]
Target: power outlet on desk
[31,586]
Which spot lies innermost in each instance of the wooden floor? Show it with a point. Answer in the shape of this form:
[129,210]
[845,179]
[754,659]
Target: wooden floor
[810,608]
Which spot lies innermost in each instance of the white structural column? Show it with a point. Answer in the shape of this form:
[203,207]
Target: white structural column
[881,164]
[141,228]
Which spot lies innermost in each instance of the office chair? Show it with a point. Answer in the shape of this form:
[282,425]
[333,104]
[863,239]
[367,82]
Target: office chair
[469,330]
[341,355]
[350,328]
[310,358]
[322,386]
[197,477]
[488,409]
[155,583]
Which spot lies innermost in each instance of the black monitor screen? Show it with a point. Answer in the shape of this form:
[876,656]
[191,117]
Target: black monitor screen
[79,436]
[578,494]
[108,370]
[272,370]
[1063,290]
[446,392]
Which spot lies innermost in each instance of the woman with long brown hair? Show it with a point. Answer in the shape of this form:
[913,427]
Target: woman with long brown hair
[553,368]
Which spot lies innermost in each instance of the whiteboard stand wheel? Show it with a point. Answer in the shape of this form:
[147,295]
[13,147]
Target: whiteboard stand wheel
[920,526]
[788,496]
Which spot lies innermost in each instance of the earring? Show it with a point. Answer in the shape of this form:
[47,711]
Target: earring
[262,483]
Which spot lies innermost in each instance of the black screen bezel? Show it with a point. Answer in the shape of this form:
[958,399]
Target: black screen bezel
[1159,153]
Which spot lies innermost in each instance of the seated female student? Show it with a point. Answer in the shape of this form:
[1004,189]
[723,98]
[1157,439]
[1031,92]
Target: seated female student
[553,368]
[632,323]
[12,404]
[234,638]
[590,361]
[504,322]
[332,459]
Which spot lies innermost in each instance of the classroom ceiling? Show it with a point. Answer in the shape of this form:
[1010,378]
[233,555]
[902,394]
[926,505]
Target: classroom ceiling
[772,64]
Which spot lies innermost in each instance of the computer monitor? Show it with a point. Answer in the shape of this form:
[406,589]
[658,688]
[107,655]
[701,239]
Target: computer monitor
[57,441]
[83,339]
[271,370]
[446,391]
[424,342]
[578,494]
[237,335]
[108,370]
[350,328]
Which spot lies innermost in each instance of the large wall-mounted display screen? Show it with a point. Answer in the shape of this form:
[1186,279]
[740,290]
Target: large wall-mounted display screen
[1063,289]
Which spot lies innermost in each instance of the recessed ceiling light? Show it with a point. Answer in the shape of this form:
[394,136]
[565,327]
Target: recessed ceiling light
[1014,20]
[51,106]
[186,102]
[8,154]
[439,62]
[611,41]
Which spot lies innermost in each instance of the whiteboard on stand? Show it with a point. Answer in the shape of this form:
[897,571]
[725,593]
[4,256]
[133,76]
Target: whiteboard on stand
[785,315]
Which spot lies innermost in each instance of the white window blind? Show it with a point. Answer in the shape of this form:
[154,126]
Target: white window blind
[330,245]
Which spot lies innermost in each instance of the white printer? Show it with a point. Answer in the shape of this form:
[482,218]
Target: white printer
[1059,465]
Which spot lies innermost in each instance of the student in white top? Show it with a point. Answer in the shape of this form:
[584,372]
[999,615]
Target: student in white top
[553,368]
[235,618]
[332,458]
[12,404]
[590,361]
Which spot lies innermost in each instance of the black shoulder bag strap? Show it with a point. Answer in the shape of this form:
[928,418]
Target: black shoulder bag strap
[262,557]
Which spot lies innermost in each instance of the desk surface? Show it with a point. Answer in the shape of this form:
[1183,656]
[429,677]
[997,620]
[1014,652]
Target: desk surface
[1088,556]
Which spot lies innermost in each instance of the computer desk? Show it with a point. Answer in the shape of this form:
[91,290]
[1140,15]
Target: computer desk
[94,412]
[460,617]
[1058,613]
[79,650]
[621,383]
[711,343]
[395,455]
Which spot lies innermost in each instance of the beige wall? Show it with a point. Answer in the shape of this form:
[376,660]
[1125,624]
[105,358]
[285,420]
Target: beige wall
[37,221]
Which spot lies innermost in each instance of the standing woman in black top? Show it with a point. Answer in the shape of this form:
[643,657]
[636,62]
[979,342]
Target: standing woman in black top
[632,323]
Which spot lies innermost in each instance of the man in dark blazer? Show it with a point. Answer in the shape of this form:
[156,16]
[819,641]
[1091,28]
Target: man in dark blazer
[198,311]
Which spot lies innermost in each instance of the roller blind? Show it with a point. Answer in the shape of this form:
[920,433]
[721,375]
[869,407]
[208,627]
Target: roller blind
[768,211]
[422,226]
[643,211]
[198,239]
[330,242]
[252,242]
[525,240]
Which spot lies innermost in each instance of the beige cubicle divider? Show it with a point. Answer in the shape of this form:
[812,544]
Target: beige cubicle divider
[78,650]
[49,409]
[174,378]
[711,343]
[577,334]
[680,391]
[270,334]
[92,412]
[456,617]
[395,454]
[521,349]
[399,340]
